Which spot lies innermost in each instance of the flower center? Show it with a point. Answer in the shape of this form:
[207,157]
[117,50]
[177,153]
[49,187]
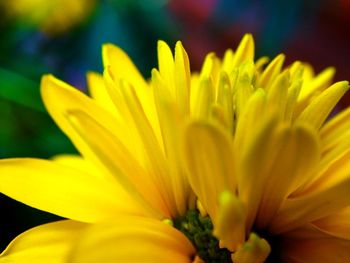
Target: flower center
[199,230]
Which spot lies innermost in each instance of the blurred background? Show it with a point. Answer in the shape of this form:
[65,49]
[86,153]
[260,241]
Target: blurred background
[64,38]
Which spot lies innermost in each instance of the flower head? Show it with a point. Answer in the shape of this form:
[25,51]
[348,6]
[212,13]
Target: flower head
[236,163]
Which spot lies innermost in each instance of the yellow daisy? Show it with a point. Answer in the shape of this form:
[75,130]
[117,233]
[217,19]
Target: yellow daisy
[237,163]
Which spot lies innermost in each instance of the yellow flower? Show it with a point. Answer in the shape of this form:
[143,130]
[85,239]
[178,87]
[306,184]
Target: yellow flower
[237,163]
[52,17]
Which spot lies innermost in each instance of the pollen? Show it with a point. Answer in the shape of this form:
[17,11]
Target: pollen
[199,230]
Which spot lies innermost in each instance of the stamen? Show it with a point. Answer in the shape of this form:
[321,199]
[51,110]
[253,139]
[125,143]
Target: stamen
[199,229]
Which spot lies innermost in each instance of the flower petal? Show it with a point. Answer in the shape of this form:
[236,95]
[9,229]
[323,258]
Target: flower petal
[335,130]
[315,250]
[122,66]
[118,161]
[337,224]
[171,123]
[318,204]
[296,155]
[46,243]
[271,71]
[229,225]
[244,51]
[182,78]
[319,108]
[313,85]
[209,158]
[60,97]
[133,239]
[254,250]
[98,91]
[78,162]
[63,191]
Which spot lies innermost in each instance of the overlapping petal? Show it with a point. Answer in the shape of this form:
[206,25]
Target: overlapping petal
[313,250]
[133,239]
[46,243]
[64,191]
[209,160]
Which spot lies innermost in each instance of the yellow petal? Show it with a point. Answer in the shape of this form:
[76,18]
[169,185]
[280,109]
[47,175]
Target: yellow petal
[229,225]
[209,160]
[314,85]
[118,161]
[271,72]
[98,90]
[260,63]
[243,86]
[250,119]
[46,243]
[296,154]
[154,152]
[63,191]
[327,250]
[258,140]
[293,93]
[204,98]
[171,123]
[334,129]
[278,93]
[122,66]
[320,107]
[318,204]
[225,100]
[245,50]
[59,97]
[134,240]
[182,78]
[78,162]
[331,162]
[166,67]
[337,224]
[254,250]
[227,61]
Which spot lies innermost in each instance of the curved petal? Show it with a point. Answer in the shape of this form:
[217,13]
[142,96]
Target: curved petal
[98,91]
[119,162]
[63,191]
[171,122]
[46,243]
[254,250]
[121,67]
[78,162]
[312,85]
[134,240]
[229,225]
[271,71]
[245,50]
[295,159]
[60,97]
[315,250]
[337,224]
[335,128]
[316,205]
[319,108]
[209,158]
